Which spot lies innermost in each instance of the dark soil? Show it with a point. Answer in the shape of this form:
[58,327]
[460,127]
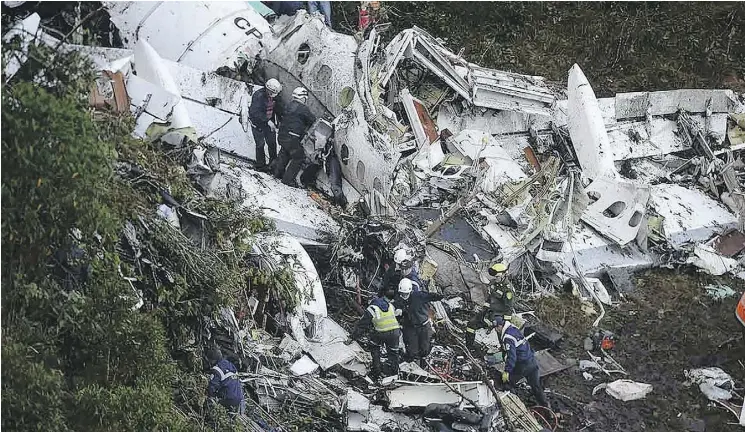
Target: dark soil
[667,325]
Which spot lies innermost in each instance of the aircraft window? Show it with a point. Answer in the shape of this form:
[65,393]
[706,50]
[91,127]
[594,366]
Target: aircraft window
[303,53]
[361,171]
[324,74]
[346,97]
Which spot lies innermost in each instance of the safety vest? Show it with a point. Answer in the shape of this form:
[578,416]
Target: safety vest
[740,311]
[383,321]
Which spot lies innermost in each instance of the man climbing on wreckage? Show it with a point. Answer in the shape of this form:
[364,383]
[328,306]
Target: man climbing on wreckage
[501,301]
[224,383]
[519,359]
[381,316]
[295,122]
[261,114]
[413,308]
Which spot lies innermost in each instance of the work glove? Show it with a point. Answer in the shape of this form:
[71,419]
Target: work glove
[505,377]
[398,312]
[272,126]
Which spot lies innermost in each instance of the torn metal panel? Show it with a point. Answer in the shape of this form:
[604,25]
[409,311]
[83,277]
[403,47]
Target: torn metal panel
[729,244]
[327,345]
[429,52]
[653,136]
[288,251]
[204,35]
[509,246]
[422,126]
[618,208]
[152,68]
[707,259]
[394,52]
[504,91]
[594,254]
[150,98]
[586,128]
[291,209]
[419,395]
[456,117]
[689,214]
[642,104]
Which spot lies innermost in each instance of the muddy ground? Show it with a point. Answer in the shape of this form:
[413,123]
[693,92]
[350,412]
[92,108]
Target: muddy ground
[665,326]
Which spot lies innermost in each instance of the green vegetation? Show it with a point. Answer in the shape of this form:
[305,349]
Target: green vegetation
[78,351]
[621,46]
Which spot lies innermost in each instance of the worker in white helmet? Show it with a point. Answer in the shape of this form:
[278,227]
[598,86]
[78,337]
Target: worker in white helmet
[261,115]
[296,120]
[404,266]
[414,319]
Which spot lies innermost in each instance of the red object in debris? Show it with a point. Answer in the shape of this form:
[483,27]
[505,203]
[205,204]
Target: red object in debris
[364,19]
[607,343]
[740,311]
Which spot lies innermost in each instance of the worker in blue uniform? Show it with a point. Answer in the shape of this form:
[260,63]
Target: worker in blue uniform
[519,359]
[224,383]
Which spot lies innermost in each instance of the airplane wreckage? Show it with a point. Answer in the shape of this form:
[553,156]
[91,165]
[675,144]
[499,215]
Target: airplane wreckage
[463,165]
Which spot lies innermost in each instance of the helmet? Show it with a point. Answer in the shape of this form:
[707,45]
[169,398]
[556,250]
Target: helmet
[499,320]
[405,287]
[300,94]
[497,269]
[273,87]
[401,256]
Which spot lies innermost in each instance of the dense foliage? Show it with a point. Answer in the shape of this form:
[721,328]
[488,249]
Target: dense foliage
[92,339]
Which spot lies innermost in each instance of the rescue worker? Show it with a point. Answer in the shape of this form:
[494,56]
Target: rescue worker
[296,120]
[224,383]
[403,266]
[261,115]
[519,359]
[415,321]
[501,301]
[381,315]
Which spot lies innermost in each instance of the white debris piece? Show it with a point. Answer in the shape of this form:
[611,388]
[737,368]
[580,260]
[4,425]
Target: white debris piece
[599,290]
[27,31]
[690,215]
[488,337]
[169,214]
[713,382]
[288,250]
[290,348]
[586,127]
[327,346]
[709,260]
[150,67]
[454,303]
[204,35]
[291,209]
[419,395]
[304,366]
[625,390]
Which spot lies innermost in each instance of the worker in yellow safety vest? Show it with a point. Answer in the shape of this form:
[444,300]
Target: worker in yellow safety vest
[381,316]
